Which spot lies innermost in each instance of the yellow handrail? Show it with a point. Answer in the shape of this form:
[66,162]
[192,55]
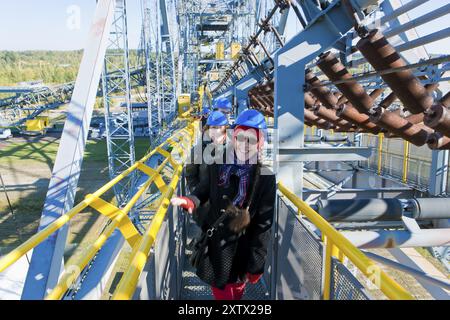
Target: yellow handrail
[371,270]
[128,283]
[69,276]
[39,237]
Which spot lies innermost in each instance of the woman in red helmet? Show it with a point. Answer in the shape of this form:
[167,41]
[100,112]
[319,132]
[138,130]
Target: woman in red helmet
[236,228]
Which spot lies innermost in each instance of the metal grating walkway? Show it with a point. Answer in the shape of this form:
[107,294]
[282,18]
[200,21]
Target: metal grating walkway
[195,289]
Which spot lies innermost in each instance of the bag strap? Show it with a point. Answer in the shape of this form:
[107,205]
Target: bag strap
[255,185]
[222,217]
[215,225]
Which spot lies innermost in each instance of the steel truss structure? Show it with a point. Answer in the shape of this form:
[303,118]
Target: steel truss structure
[117,94]
[335,179]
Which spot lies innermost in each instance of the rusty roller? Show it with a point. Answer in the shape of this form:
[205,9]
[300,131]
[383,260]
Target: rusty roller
[311,117]
[386,102]
[437,141]
[261,106]
[258,101]
[413,118]
[394,123]
[374,95]
[352,90]
[310,100]
[320,123]
[328,99]
[361,120]
[330,115]
[382,56]
[438,116]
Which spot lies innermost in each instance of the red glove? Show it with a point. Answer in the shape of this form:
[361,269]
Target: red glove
[253,278]
[189,205]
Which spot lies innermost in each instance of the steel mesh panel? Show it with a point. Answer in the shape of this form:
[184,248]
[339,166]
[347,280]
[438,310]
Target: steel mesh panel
[309,250]
[344,286]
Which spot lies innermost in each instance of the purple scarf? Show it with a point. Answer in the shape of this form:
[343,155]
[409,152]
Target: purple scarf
[242,171]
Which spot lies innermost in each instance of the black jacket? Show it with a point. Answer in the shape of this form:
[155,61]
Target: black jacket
[232,255]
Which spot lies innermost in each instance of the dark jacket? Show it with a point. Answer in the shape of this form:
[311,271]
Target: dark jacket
[231,255]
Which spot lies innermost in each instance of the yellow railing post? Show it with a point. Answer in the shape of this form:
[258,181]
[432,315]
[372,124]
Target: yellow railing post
[327,271]
[380,151]
[405,161]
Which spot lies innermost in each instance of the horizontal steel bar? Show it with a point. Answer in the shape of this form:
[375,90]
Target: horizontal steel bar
[435,36]
[399,238]
[324,154]
[435,14]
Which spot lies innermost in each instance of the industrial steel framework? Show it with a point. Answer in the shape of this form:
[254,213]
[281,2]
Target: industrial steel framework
[153,87]
[308,81]
[117,90]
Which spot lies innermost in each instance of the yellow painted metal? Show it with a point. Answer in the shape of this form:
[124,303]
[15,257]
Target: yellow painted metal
[128,283]
[371,270]
[220,50]
[405,161]
[328,271]
[130,278]
[119,216]
[36,239]
[152,172]
[125,225]
[235,50]
[38,124]
[72,272]
[39,237]
[107,209]
[380,151]
[184,103]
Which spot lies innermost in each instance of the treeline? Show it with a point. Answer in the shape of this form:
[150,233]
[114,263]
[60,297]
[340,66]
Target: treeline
[50,66]
[53,67]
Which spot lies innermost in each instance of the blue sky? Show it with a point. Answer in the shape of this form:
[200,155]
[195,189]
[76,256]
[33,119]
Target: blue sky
[34,25]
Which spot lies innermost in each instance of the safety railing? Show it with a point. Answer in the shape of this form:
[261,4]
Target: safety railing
[178,144]
[337,246]
[141,250]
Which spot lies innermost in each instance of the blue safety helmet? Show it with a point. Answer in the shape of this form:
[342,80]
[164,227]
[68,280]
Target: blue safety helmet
[251,118]
[217,118]
[205,111]
[222,103]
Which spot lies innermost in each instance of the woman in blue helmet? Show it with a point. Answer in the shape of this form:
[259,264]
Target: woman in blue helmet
[223,105]
[214,137]
[239,217]
[205,115]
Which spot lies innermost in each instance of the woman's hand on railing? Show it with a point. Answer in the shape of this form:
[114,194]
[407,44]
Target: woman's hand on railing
[184,202]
